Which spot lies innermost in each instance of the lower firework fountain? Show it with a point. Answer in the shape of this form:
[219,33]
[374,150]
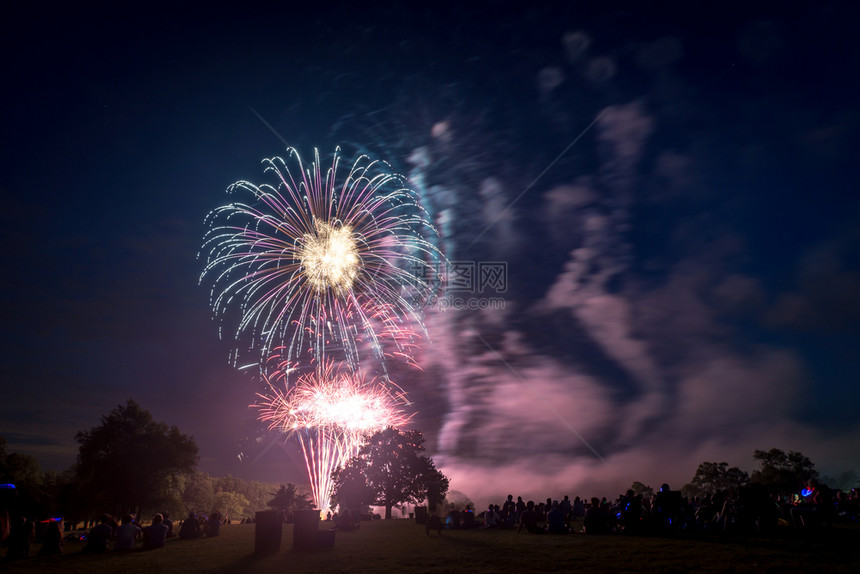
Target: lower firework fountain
[330,411]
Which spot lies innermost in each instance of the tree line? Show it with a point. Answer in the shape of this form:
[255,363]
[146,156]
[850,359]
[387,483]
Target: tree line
[781,472]
[131,464]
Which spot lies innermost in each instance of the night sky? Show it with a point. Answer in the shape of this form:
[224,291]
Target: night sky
[674,195]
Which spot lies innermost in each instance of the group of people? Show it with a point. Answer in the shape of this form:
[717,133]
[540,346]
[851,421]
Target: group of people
[108,534]
[197,526]
[552,516]
[751,508]
[125,535]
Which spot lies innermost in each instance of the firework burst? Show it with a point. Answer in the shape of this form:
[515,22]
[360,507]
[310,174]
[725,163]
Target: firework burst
[316,264]
[330,410]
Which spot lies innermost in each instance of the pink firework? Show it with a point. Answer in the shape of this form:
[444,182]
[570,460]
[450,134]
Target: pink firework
[331,411]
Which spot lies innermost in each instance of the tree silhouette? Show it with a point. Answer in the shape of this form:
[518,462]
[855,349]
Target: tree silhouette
[20,469]
[783,472]
[35,490]
[394,472]
[641,488]
[288,499]
[713,476]
[351,491]
[130,461]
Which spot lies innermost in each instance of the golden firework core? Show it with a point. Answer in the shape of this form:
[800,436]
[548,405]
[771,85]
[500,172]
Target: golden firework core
[329,257]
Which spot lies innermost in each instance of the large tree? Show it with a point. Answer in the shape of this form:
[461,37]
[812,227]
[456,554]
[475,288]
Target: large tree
[783,472]
[131,462]
[351,491]
[713,476]
[395,471]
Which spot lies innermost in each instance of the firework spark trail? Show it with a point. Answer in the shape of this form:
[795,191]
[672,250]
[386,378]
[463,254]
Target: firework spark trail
[315,261]
[331,410]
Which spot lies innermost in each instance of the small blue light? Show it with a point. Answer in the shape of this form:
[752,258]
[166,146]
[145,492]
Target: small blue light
[805,492]
[8,486]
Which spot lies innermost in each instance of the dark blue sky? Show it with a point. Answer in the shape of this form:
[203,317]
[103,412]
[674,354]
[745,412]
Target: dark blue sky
[689,267]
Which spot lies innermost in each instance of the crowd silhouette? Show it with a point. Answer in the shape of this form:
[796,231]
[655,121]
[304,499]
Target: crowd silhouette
[747,509]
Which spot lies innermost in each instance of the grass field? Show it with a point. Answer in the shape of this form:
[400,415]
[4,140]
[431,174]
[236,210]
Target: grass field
[401,546]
